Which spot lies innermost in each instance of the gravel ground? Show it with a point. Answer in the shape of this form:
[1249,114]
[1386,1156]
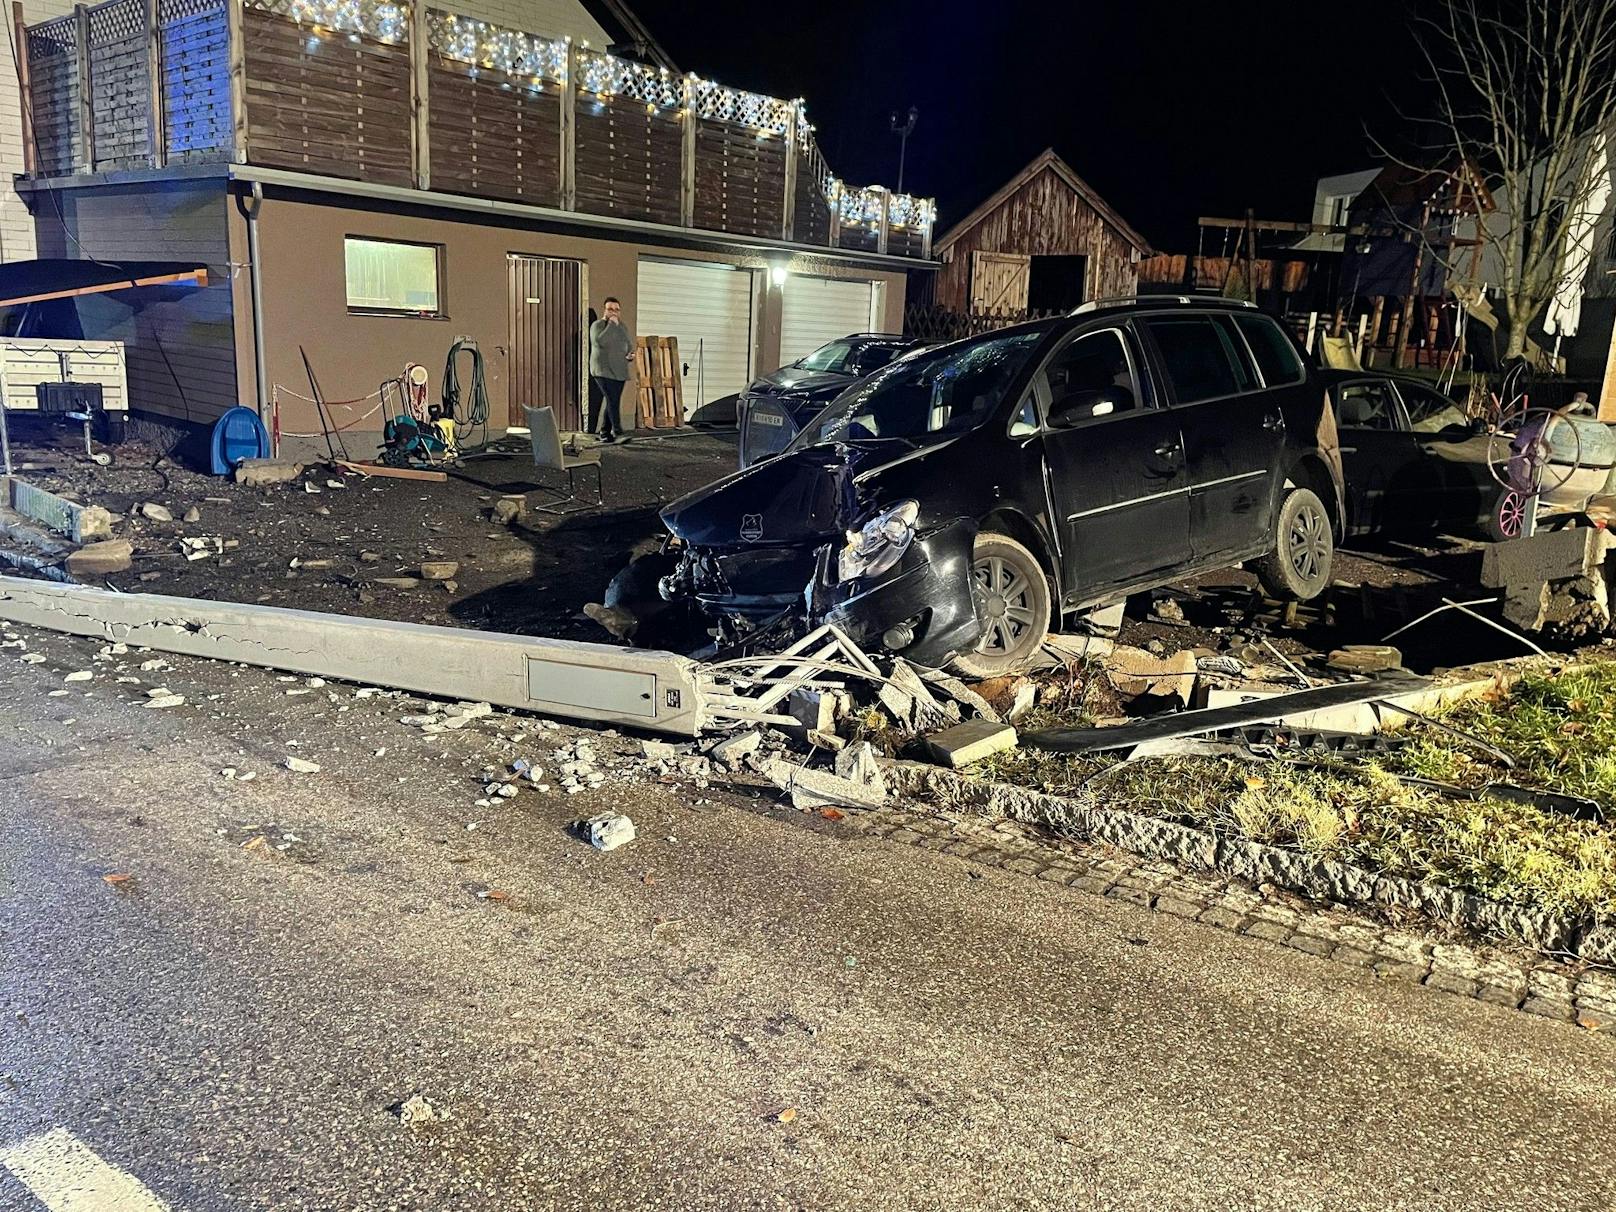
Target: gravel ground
[627,1030]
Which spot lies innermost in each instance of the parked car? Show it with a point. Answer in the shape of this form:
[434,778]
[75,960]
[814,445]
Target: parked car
[961,500]
[774,408]
[1413,461]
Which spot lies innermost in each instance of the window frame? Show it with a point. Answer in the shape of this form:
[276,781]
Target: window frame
[1251,351]
[440,276]
[1159,360]
[1039,392]
[1394,405]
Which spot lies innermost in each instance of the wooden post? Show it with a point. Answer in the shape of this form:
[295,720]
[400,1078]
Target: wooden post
[156,120]
[569,132]
[86,109]
[20,24]
[886,212]
[1407,322]
[420,128]
[238,80]
[1366,356]
[687,156]
[1251,252]
[1374,329]
[788,207]
[1338,324]
[1312,329]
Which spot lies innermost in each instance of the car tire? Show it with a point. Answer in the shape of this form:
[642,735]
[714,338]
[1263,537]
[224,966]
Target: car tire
[1298,567]
[1507,517]
[1013,599]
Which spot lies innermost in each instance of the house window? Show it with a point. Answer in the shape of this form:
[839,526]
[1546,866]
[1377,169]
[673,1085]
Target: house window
[389,277]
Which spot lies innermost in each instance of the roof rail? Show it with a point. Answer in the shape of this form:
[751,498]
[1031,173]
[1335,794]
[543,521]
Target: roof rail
[1136,300]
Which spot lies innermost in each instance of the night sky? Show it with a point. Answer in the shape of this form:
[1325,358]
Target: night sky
[1169,110]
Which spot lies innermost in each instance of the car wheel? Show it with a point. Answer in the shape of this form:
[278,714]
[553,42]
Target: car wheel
[1304,544]
[1012,599]
[1508,517]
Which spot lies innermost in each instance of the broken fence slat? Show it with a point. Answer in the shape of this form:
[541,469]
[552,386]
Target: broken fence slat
[393,473]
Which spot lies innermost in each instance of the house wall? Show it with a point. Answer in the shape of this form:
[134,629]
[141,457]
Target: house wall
[180,340]
[1044,217]
[16,224]
[304,302]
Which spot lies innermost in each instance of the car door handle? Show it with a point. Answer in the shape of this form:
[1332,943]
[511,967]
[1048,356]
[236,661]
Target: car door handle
[1273,420]
[1169,450]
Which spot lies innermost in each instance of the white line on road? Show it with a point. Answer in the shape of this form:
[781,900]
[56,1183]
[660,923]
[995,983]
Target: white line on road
[66,1175]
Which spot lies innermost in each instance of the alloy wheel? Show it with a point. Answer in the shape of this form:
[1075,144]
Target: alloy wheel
[1008,603]
[1308,542]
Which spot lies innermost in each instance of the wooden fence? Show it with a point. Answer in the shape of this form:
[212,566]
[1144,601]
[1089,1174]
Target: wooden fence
[931,322]
[403,94]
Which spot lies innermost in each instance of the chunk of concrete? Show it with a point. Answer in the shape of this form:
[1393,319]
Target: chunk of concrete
[858,764]
[734,750]
[508,509]
[1136,673]
[970,742]
[1365,658]
[99,559]
[261,473]
[1546,556]
[811,789]
[439,570]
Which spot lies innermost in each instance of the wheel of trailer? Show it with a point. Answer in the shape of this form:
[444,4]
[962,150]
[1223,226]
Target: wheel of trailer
[1507,518]
[1304,544]
[1012,597]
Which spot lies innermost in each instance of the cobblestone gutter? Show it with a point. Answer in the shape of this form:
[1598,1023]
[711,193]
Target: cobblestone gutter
[1219,892]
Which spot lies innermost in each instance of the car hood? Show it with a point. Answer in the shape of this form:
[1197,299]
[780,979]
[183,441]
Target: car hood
[808,495]
[795,380]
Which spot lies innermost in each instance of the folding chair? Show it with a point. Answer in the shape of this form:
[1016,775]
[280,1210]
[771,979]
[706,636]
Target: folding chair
[548,453]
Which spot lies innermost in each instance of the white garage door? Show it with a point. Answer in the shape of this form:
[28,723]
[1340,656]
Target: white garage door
[817,310]
[709,309]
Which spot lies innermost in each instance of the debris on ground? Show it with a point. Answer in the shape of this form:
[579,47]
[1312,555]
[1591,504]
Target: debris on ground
[810,789]
[1136,673]
[608,831]
[1365,658]
[417,1112]
[101,559]
[733,751]
[300,765]
[970,742]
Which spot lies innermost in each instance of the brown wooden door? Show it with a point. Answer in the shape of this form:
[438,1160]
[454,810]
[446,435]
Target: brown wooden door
[999,282]
[549,343]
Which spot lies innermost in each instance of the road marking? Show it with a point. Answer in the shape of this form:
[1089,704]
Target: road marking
[66,1175]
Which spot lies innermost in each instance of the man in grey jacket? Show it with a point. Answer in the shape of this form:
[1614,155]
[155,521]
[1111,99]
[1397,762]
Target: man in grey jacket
[609,347]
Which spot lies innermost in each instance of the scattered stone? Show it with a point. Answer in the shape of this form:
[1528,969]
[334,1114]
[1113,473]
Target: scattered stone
[156,513]
[416,1112]
[99,559]
[310,487]
[509,509]
[1168,610]
[151,575]
[93,522]
[158,702]
[970,742]
[370,557]
[398,582]
[80,675]
[658,750]
[260,848]
[33,658]
[858,764]
[1137,674]
[193,514]
[1025,697]
[299,765]
[826,740]
[810,789]
[439,570]
[963,695]
[734,750]
[608,831]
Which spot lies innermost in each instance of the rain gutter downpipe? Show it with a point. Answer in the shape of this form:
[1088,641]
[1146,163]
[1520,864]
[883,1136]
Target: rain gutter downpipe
[260,368]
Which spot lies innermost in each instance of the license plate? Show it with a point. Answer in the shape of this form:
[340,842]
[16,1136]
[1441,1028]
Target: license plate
[767,418]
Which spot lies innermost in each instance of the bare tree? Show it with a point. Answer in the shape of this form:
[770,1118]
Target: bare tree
[1524,97]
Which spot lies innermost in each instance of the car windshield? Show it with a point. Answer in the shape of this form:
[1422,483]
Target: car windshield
[833,357]
[948,390]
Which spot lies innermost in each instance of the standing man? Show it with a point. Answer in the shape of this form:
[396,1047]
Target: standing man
[609,347]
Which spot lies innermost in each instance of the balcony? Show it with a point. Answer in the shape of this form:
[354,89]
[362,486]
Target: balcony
[419,97]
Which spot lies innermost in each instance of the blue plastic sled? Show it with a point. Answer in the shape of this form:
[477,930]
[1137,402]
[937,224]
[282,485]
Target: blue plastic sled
[238,435]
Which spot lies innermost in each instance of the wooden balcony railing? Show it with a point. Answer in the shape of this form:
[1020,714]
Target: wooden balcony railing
[405,94]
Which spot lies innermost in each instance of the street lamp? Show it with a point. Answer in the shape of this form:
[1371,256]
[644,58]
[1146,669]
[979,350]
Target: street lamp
[903,129]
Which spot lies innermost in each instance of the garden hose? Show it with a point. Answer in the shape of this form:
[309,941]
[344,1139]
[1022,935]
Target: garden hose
[475,414]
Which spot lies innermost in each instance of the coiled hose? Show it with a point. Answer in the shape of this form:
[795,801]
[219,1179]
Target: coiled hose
[475,414]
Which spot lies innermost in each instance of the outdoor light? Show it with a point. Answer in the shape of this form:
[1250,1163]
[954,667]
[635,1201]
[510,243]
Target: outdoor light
[778,275]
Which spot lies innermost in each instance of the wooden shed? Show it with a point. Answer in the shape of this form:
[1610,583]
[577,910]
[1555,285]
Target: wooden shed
[1044,242]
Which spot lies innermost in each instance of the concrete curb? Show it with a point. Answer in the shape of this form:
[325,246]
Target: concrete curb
[1569,992]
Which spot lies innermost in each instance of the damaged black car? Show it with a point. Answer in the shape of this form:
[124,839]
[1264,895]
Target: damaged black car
[960,503]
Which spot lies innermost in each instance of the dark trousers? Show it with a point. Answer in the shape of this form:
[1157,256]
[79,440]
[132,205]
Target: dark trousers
[609,423]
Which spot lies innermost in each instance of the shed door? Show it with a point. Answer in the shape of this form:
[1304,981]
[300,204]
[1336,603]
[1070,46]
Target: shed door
[999,281]
[547,338]
[819,310]
[709,309]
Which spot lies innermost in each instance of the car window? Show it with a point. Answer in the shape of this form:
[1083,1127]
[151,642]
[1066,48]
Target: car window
[1025,423]
[1430,411]
[1092,363]
[872,358]
[1275,354]
[948,390]
[1365,405]
[1195,355]
[832,357]
[1245,370]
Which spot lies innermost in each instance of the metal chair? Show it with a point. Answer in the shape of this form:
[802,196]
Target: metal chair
[548,453]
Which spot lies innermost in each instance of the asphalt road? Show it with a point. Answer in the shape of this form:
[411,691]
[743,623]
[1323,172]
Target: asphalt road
[228,1031]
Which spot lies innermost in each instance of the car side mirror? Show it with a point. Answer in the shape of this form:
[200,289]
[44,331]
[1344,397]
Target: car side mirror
[1087,405]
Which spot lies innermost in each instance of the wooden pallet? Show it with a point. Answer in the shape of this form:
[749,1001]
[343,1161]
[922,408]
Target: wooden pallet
[646,411]
[670,396]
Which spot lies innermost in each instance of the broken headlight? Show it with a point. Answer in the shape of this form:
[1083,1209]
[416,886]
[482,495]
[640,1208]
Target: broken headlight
[879,544]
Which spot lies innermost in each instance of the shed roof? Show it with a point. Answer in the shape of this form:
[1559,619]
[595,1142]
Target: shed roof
[64,278]
[1046,159]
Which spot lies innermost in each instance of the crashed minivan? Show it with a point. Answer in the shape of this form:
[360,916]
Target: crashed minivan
[959,503]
